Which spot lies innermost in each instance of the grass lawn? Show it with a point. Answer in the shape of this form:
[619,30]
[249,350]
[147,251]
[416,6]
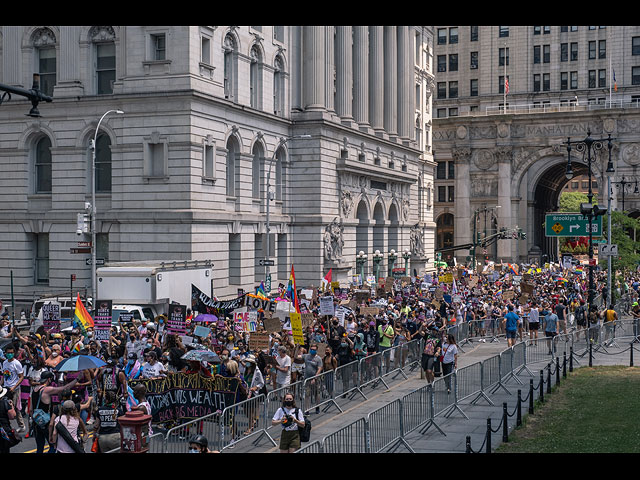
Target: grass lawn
[593,410]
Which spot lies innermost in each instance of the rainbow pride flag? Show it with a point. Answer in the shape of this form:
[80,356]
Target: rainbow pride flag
[260,291]
[81,315]
[292,293]
[578,270]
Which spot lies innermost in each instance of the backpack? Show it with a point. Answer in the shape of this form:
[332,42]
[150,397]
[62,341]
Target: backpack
[305,432]
[429,346]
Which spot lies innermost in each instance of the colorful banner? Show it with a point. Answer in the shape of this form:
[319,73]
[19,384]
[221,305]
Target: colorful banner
[177,322]
[102,320]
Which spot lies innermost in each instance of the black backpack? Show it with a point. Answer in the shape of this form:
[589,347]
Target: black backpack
[305,432]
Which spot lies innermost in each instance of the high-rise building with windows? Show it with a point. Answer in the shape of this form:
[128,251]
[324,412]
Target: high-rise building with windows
[334,121]
[506,99]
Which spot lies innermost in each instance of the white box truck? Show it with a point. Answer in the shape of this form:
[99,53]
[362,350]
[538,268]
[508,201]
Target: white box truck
[152,285]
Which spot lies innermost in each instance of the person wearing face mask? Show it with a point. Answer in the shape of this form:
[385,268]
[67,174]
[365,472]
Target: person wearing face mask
[13,374]
[55,357]
[291,418]
[200,444]
[152,368]
[134,345]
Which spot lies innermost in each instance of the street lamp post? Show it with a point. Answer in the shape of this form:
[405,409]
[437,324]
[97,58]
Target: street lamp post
[406,254]
[622,187]
[34,95]
[587,147]
[392,261]
[377,260]
[270,196]
[361,260]
[93,207]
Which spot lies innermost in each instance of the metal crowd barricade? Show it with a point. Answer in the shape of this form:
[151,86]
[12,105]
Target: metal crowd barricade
[520,358]
[414,355]
[347,381]
[319,391]
[539,350]
[275,397]
[507,366]
[313,447]
[371,371]
[351,438]
[244,420]
[389,364]
[176,439]
[469,383]
[562,344]
[491,373]
[385,429]
[418,410]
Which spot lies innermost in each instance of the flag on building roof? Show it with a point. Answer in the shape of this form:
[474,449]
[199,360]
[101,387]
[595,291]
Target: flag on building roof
[81,315]
[615,84]
[506,85]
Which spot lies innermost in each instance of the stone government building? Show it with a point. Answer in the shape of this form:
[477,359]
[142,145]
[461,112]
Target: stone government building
[342,114]
[510,160]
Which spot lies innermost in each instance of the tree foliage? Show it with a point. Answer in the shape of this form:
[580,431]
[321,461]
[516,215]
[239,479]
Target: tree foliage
[622,234]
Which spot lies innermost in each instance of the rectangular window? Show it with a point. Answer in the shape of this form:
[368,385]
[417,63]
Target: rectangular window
[635,75]
[47,69]
[453,89]
[205,50]
[503,56]
[564,52]
[503,31]
[564,29]
[602,49]
[209,166]
[635,46]
[546,54]
[441,113]
[453,35]
[442,36]
[501,83]
[441,171]
[156,157]
[602,78]
[105,67]
[158,46]
[453,112]
[574,51]
[453,62]
[235,259]
[442,193]
[536,82]
[546,82]
[452,170]
[42,257]
[450,194]
[592,50]
[547,30]
[473,34]
[278,33]
[574,28]
[536,54]
[473,63]
[442,90]
[592,79]
[473,87]
[573,77]
[564,81]
[102,246]
[442,63]
[537,30]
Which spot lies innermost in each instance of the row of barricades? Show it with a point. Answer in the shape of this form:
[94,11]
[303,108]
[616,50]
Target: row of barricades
[385,429]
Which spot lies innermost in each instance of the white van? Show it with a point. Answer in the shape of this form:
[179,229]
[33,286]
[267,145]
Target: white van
[138,312]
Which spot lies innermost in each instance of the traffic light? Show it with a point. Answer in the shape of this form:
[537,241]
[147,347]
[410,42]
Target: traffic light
[83,223]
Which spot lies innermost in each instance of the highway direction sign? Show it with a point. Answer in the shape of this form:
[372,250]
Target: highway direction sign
[571,225]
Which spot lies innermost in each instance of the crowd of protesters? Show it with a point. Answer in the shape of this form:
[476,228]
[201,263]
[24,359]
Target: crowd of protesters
[38,398]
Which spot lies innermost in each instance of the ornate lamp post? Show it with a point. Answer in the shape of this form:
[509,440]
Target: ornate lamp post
[406,254]
[377,260]
[392,261]
[361,260]
[587,147]
[622,185]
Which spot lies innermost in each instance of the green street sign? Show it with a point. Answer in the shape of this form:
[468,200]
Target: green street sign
[571,225]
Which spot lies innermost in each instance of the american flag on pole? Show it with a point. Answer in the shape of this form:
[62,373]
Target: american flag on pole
[506,85]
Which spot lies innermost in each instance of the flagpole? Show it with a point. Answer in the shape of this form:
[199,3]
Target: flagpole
[610,81]
[504,87]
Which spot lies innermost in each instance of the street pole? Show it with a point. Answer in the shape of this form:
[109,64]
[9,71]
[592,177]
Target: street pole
[94,293]
[609,262]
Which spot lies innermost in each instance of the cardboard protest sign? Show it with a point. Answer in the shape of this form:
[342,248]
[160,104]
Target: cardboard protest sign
[177,322]
[527,288]
[258,341]
[272,325]
[307,319]
[326,306]
[51,317]
[361,295]
[369,311]
[102,320]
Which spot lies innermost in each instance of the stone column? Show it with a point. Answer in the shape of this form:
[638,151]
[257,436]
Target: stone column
[344,73]
[69,63]
[314,68]
[12,57]
[463,216]
[330,68]
[361,76]
[390,81]
[376,79]
[504,155]
[403,80]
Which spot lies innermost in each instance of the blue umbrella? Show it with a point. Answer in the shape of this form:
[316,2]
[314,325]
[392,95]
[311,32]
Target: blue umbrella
[78,363]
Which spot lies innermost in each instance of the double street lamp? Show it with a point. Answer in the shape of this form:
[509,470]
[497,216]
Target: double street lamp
[622,185]
[377,260]
[93,205]
[589,147]
[361,261]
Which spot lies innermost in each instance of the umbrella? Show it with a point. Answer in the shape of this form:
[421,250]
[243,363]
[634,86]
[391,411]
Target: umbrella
[78,363]
[201,356]
[206,318]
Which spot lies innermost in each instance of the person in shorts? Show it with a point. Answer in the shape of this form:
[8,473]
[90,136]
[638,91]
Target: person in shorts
[534,322]
[291,418]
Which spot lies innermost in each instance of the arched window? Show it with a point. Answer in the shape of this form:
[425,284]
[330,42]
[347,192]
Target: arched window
[104,55]
[42,161]
[44,42]
[281,174]
[256,170]
[232,152]
[229,67]
[255,78]
[278,87]
[103,163]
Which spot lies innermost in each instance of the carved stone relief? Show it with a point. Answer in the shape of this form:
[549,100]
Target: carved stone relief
[484,159]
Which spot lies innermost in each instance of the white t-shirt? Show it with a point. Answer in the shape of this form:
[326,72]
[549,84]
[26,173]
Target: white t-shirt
[533,316]
[149,370]
[450,351]
[282,411]
[11,371]
[283,378]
